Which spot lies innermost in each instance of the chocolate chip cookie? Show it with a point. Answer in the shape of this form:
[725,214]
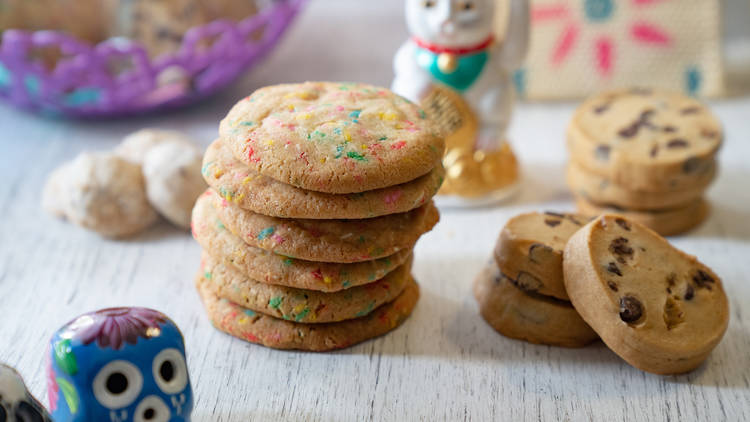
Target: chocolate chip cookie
[528,316]
[646,140]
[598,189]
[658,308]
[530,250]
[667,222]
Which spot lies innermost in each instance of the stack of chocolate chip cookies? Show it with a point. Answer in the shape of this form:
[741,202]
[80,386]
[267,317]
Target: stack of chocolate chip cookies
[318,193]
[566,280]
[522,292]
[646,155]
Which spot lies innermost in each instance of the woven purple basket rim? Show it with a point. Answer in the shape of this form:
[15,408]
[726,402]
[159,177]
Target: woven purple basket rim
[81,85]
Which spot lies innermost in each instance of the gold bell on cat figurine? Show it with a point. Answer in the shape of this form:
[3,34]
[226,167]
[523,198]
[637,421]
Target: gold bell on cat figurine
[461,76]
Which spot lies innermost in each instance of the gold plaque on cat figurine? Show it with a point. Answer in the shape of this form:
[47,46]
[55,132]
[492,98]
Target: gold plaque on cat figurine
[470,172]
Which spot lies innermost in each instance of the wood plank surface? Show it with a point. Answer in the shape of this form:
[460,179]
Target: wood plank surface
[444,363]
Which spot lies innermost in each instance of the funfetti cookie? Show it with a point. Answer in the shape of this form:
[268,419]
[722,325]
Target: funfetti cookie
[281,334]
[645,140]
[656,307]
[305,306]
[528,316]
[268,267]
[332,137]
[598,189]
[666,222]
[238,183]
[530,250]
[342,241]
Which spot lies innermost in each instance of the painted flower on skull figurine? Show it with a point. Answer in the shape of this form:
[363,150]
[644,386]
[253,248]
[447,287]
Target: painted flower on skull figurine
[119,365]
[16,402]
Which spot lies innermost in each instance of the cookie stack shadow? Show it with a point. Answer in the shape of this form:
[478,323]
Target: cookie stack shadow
[646,155]
[307,246]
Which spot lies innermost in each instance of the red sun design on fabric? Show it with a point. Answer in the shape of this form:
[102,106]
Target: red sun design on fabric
[602,45]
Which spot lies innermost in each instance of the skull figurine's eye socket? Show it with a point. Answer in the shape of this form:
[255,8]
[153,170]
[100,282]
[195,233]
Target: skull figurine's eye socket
[428,4]
[25,412]
[170,371]
[117,384]
[152,409]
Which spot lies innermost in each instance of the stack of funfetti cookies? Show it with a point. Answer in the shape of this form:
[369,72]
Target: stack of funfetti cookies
[646,155]
[521,293]
[318,193]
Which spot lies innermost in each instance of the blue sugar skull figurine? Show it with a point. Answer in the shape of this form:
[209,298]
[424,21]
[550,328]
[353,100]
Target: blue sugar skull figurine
[16,403]
[119,365]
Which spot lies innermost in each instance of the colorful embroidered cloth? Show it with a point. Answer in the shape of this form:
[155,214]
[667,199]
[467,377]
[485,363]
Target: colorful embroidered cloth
[579,47]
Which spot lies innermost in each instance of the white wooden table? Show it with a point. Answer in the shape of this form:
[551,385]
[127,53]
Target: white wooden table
[444,363]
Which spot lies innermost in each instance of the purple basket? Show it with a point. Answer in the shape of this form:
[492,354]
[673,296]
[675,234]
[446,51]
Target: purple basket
[83,84]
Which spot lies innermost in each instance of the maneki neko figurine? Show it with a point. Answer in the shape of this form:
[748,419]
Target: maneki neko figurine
[119,365]
[461,74]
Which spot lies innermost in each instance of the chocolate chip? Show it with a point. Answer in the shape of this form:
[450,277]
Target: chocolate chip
[552,223]
[709,133]
[621,248]
[554,214]
[602,152]
[654,151]
[612,285]
[497,278]
[669,129]
[690,110]
[689,292]
[573,220]
[538,252]
[612,267]
[527,282]
[691,165]
[673,314]
[671,279]
[601,109]
[630,131]
[625,224]
[631,309]
[702,279]
[677,143]
[646,116]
